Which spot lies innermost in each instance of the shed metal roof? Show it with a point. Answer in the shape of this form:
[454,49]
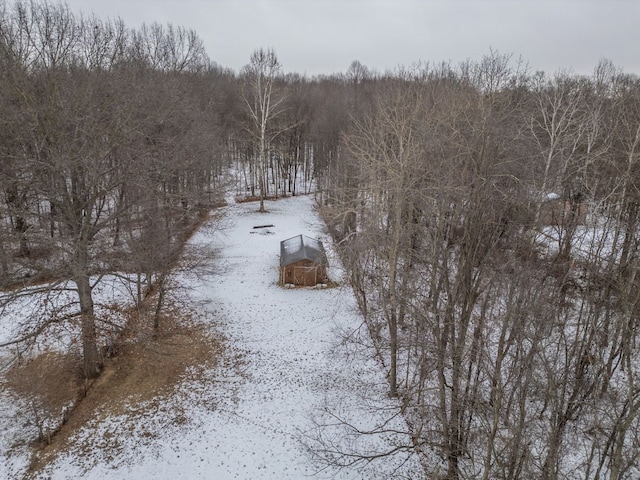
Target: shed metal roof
[302,247]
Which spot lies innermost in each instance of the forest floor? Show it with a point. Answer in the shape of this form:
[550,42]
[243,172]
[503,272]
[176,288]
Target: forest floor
[248,380]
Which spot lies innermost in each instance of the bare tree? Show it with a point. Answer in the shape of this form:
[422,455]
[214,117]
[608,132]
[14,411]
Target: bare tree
[265,104]
[388,150]
[169,48]
[91,147]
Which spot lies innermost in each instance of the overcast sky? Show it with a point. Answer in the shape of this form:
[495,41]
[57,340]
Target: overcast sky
[324,36]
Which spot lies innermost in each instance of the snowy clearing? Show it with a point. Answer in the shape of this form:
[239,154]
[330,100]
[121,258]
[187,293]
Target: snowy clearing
[295,361]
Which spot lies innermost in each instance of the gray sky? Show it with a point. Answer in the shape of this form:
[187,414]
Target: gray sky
[325,36]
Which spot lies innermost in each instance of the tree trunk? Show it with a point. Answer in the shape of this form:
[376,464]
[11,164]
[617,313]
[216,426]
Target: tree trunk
[92,364]
[261,168]
[22,227]
[4,264]
[261,180]
[161,290]
[393,352]
[52,221]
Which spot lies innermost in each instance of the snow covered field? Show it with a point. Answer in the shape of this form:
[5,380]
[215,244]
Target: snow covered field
[296,361]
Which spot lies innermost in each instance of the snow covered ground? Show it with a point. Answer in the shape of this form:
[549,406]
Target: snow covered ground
[296,382]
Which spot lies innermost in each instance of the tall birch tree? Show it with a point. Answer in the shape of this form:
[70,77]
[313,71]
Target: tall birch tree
[264,104]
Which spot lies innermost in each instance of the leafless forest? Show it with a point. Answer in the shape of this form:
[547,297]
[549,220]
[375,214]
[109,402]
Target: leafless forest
[488,217]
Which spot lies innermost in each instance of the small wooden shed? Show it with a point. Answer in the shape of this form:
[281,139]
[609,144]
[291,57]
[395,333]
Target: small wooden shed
[303,261]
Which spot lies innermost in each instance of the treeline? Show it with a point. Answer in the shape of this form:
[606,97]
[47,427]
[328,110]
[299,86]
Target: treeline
[488,219]
[107,153]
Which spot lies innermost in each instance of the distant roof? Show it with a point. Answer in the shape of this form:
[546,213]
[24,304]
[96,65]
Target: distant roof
[551,196]
[302,247]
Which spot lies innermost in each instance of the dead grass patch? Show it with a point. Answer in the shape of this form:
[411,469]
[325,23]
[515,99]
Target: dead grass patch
[148,365]
[49,385]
